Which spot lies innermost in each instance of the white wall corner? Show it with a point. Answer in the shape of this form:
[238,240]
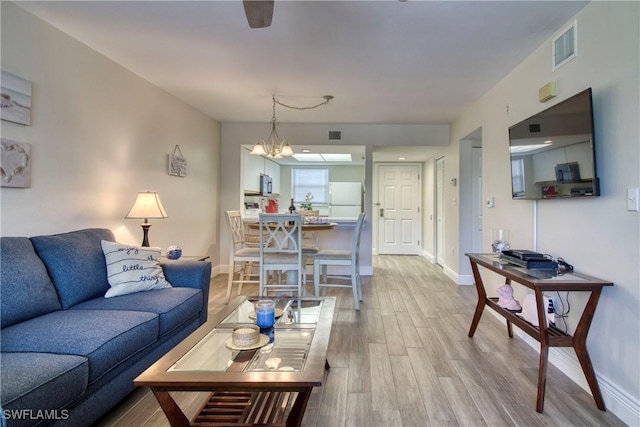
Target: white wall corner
[219,269]
[465,279]
[450,273]
[428,256]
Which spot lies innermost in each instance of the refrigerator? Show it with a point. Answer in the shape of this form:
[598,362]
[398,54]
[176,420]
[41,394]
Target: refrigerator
[345,199]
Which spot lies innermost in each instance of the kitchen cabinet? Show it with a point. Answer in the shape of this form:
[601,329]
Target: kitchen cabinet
[253,166]
[272,169]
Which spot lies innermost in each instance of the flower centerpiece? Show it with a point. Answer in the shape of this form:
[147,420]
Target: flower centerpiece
[307,202]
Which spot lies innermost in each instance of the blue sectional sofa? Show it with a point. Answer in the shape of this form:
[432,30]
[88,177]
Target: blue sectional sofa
[68,354]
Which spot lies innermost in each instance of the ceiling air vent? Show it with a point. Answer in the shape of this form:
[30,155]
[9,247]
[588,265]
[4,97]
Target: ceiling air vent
[335,135]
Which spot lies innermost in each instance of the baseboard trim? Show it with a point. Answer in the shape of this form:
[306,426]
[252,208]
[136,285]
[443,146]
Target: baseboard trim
[464,280]
[218,270]
[618,401]
[428,256]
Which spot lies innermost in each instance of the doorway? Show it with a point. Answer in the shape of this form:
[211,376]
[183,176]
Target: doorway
[471,203]
[398,209]
[439,211]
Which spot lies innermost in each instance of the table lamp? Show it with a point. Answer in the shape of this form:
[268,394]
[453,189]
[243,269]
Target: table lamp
[147,205]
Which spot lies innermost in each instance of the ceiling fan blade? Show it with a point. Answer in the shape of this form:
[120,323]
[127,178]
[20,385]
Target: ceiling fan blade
[259,12]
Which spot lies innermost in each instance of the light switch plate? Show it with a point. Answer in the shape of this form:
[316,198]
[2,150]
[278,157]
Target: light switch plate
[633,204]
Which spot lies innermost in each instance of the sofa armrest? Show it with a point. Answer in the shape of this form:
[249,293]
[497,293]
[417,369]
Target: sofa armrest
[191,274]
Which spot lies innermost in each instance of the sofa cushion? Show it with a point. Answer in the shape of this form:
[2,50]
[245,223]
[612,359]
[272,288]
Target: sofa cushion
[26,290]
[106,337]
[75,263]
[132,269]
[175,306]
[41,382]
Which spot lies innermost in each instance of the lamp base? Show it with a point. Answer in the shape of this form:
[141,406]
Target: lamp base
[145,231]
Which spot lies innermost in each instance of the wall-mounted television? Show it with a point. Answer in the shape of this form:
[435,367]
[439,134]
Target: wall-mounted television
[553,152]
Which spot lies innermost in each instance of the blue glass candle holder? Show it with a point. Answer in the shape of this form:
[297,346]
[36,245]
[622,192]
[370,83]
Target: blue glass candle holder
[265,314]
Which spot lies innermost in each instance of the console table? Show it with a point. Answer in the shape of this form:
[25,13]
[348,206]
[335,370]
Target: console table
[541,281]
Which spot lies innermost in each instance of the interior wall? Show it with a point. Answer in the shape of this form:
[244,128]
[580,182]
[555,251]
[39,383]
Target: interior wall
[597,235]
[99,134]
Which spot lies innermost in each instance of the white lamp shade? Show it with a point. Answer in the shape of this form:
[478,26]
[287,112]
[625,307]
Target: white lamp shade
[147,205]
[258,149]
[287,150]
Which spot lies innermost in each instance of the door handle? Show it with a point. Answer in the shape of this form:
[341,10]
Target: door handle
[381,212]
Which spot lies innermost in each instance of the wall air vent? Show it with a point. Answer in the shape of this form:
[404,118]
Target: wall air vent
[335,135]
[534,128]
[565,46]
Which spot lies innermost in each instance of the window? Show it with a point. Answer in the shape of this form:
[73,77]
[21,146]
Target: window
[314,181]
[517,176]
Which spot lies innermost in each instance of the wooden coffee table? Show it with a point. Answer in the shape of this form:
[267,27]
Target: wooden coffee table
[266,386]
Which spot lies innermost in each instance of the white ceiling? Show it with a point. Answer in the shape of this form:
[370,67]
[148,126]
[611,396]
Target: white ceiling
[386,61]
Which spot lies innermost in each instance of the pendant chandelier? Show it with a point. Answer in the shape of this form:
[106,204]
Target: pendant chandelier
[274,147]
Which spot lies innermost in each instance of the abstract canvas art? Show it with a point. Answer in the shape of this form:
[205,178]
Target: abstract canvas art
[15,163]
[15,99]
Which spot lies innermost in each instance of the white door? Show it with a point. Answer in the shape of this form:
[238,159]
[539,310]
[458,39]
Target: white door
[439,209]
[399,220]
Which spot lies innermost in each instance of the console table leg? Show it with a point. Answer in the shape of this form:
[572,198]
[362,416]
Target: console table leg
[580,347]
[509,329]
[482,297]
[542,377]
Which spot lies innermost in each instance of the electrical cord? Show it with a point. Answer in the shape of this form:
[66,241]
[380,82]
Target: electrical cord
[563,266]
[563,314]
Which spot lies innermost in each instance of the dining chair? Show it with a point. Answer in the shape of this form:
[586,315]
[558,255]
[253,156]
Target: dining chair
[310,242]
[340,257]
[240,253]
[280,250]
[307,216]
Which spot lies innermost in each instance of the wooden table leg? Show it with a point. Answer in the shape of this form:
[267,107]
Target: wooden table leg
[171,409]
[482,297]
[544,349]
[542,376]
[580,347]
[509,325]
[297,410]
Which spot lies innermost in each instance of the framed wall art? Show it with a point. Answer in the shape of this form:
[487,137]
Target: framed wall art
[15,99]
[177,162]
[15,163]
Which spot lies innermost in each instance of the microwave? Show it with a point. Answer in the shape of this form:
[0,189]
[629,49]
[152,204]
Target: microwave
[265,185]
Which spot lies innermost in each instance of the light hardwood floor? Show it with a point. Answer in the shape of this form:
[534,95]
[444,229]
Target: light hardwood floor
[405,360]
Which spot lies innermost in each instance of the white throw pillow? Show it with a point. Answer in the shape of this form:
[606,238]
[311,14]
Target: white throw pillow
[132,269]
